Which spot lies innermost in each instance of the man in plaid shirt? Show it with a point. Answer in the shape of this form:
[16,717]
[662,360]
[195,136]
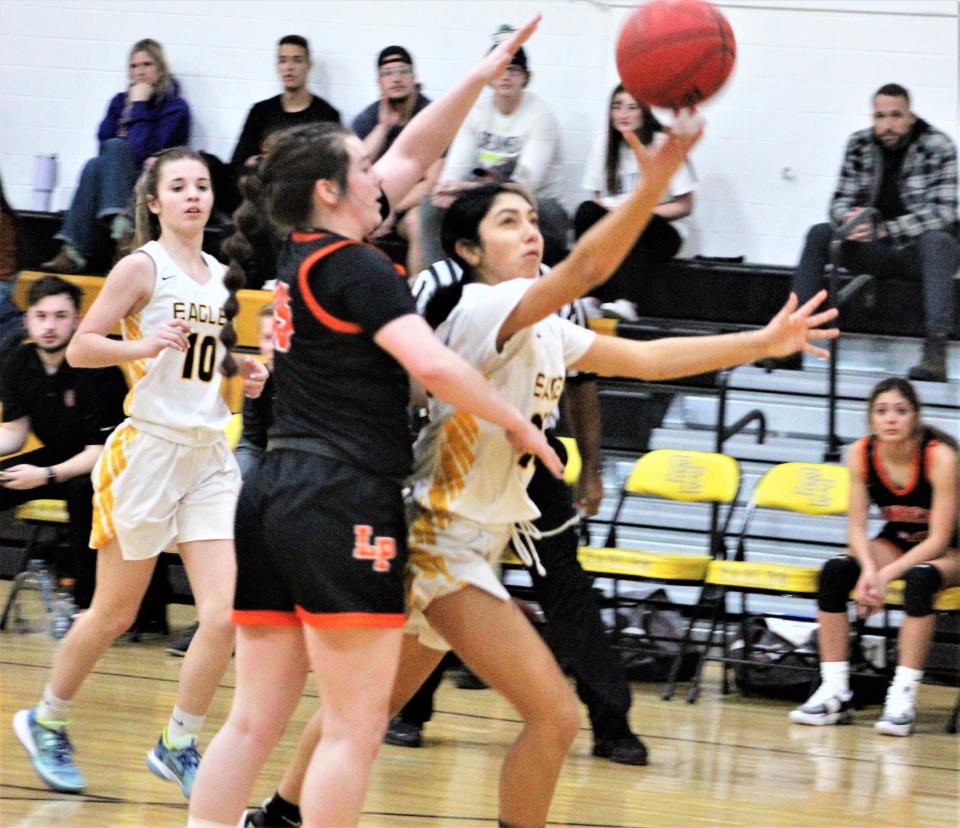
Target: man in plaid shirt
[907,170]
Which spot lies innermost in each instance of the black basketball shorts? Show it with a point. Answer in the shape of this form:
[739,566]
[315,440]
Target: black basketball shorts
[319,542]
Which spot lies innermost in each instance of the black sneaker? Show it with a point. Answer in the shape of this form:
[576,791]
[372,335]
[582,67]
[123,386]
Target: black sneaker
[466,679]
[403,734]
[261,818]
[625,750]
[179,646]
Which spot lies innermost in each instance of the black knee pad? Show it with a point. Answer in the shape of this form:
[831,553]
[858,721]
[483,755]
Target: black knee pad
[922,583]
[837,578]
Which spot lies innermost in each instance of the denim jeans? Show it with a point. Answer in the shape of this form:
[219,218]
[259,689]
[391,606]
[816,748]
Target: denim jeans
[104,190]
[932,260]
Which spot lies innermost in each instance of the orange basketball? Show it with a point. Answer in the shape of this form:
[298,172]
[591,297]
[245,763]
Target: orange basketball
[675,53]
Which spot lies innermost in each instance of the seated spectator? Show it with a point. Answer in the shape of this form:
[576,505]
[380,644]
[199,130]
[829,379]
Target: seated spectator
[72,411]
[148,117]
[510,136]
[294,106]
[379,125]
[909,471]
[907,170]
[611,175]
[9,268]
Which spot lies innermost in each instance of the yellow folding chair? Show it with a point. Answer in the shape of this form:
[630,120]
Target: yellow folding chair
[683,476]
[814,489]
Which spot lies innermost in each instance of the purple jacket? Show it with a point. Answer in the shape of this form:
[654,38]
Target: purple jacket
[150,126]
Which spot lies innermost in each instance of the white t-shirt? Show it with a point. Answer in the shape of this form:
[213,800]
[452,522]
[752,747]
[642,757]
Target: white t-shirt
[628,174]
[523,146]
[175,390]
[464,465]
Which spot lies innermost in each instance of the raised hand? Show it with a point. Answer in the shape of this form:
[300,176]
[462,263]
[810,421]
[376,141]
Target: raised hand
[498,59]
[795,329]
[686,130]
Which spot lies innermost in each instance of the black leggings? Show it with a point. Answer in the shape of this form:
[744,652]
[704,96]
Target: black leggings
[657,245]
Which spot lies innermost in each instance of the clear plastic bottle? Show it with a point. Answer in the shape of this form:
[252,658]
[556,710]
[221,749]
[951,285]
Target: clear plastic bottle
[61,619]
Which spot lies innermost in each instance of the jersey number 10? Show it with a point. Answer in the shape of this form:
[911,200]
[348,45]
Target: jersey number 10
[202,359]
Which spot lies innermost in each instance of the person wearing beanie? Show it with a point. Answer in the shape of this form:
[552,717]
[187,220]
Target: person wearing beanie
[509,136]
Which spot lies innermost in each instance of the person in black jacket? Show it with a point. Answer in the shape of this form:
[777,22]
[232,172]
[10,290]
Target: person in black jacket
[295,106]
[72,411]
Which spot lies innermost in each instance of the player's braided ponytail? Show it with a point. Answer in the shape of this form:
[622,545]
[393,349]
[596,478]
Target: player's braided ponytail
[239,251]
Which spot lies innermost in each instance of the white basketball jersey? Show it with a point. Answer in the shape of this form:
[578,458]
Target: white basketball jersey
[179,390]
[463,464]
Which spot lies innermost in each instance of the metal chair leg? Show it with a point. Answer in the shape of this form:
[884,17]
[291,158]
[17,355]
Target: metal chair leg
[717,599]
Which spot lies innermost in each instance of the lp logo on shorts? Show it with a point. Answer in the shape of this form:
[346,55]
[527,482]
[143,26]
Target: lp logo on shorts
[381,552]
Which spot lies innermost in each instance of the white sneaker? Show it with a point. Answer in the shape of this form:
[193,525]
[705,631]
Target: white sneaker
[622,309]
[899,713]
[827,706]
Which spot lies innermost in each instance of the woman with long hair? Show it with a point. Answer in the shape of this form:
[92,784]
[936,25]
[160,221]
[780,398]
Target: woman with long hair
[907,469]
[469,487]
[320,524]
[166,473]
[149,116]
[610,175]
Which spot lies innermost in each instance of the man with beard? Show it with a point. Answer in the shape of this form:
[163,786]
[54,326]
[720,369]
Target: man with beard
[71,411]
[378,127]
[907,170]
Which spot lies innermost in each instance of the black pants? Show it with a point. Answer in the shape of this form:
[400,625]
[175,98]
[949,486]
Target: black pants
[658,244]
[932,260]
[575,630]
[78,493]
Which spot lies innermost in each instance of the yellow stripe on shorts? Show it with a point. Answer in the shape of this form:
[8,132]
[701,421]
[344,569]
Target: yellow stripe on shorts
[111,465]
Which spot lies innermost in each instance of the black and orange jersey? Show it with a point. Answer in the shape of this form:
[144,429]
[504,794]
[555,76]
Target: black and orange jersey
[906,509]
[338,393]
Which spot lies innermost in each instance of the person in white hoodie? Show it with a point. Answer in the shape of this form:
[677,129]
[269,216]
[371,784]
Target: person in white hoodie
[508,136]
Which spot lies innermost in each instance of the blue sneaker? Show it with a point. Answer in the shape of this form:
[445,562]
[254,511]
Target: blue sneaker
[50,751]
[177,764]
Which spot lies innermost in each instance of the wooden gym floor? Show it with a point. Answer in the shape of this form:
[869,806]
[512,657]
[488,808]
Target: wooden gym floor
[724,761]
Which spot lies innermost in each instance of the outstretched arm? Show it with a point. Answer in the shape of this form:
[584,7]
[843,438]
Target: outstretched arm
[601,249]
[431,131]
[792,329]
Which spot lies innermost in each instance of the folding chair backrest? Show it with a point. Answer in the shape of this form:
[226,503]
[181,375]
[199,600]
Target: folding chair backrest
[809,488]
[692,476]
[571,471]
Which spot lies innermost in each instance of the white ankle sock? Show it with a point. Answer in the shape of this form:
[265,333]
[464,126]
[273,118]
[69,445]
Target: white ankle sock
[182,726]
[836,674]
[53,710]
[907,678]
